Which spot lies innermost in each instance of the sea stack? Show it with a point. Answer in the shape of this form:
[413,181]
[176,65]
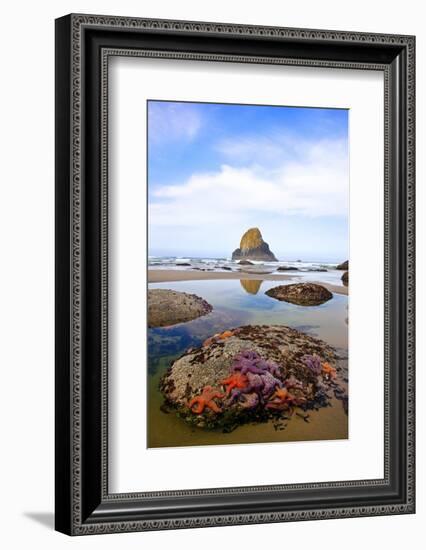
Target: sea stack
[253,247]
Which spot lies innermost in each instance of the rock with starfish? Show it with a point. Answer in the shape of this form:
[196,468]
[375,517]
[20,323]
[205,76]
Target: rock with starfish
[269,356]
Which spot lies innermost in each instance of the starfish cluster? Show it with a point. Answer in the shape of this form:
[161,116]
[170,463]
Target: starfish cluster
[254,382]
[257,379]
[313,362]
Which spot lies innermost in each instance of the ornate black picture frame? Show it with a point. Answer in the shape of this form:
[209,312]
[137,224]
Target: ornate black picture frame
[83,45]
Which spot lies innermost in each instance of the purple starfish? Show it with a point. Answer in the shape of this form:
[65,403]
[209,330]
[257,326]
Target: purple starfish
[260,378]
[313,363]
[249,401]
[293,383]
[246,366]
[263,385]
[269,366]
[255,382]
[270,383]
[249,361]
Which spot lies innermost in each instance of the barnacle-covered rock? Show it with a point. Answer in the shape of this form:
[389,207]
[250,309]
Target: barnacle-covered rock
[169,307]
[249,373]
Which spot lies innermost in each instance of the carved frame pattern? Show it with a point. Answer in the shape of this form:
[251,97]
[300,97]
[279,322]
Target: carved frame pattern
[76,523]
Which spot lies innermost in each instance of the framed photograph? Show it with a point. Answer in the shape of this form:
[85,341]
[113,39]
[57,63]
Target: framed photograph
[234,274]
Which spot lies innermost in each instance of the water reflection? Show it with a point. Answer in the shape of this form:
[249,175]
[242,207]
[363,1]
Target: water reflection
[172,341]
[251,286]
[233,306]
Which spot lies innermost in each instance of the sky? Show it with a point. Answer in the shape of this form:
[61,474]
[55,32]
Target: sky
[215,170]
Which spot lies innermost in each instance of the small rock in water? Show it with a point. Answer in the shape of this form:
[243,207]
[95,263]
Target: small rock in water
[169,307]
[303,294]
[343,266]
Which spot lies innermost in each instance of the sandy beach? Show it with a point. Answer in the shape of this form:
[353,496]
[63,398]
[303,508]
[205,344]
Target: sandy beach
[173,275]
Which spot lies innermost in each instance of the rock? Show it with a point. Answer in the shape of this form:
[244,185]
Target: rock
[285,268]
[183,264]
[245,262]
[343,266]
[302,294]
[345,278]
[206,385]
[253,247]
[169,307]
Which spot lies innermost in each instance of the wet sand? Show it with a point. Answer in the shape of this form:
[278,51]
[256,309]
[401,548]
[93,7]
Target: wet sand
[167,430]
[174,275]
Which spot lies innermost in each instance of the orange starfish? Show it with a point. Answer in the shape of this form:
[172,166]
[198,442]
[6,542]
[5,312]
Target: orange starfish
[235,380]
[280,399]
[226,334]
[221,336]
[328,370]
[198,404]
[208,341]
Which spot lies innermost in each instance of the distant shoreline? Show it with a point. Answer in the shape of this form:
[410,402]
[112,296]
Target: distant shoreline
[173,275]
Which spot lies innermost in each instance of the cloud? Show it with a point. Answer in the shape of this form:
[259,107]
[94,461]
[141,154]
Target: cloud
[309,179]
[274,148]
[277,148]
[173,121]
